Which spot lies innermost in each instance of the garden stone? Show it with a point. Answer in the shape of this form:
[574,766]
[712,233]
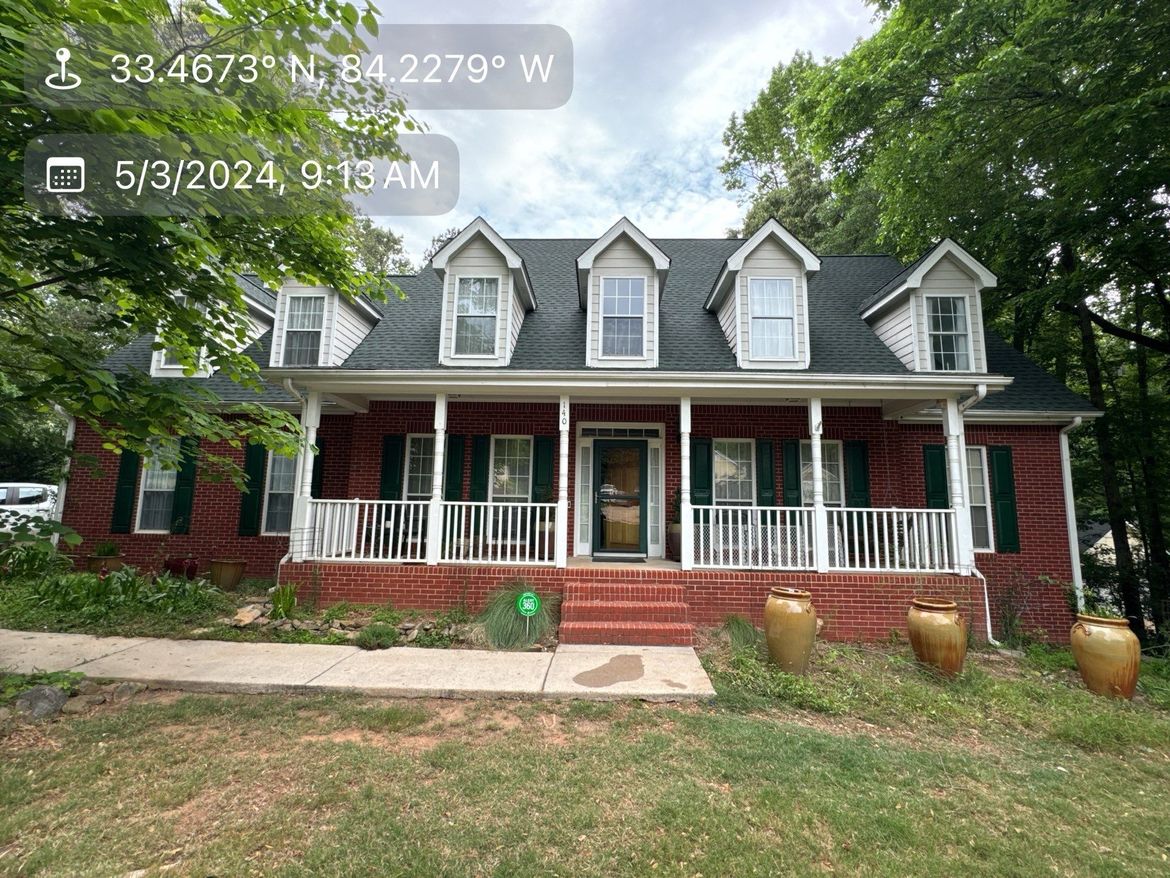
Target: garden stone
[246,616]
[88,687]
[429,626]
[406,626]
[82,703]
[40,702]
[126,690]
[5,713]
[412,635]
[336,625]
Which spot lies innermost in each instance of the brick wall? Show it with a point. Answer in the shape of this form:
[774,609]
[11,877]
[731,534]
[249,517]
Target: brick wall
[353,453]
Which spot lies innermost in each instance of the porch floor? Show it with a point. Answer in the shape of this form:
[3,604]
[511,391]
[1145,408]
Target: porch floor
[585,563]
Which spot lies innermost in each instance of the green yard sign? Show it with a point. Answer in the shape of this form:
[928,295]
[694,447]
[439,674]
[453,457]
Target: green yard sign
[528,604]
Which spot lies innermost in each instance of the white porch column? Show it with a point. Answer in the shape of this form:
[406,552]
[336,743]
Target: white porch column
[957,479]
[562,520]
[435,510]
[299,536]
[820,516]
[686,515]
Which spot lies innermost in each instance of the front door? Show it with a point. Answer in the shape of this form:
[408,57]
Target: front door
[619,506]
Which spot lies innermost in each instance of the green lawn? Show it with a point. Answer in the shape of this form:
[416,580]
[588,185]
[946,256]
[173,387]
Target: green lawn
[1011,770]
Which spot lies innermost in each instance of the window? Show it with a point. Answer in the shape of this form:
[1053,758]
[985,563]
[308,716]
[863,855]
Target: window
[278,495]
[735,483]
[511,469]
[947,329]
[772,301]
[831,473]
[303,330]
[157,498]
[476,305]
[420,467]
[980,497]
[623,310]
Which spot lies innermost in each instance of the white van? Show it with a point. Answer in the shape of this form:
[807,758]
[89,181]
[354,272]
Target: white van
[24,499]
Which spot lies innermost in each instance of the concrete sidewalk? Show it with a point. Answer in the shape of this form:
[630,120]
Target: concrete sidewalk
[650,673]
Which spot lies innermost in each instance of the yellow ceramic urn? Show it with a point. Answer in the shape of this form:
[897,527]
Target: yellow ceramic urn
[790,627]
[1108,654]
[938,634]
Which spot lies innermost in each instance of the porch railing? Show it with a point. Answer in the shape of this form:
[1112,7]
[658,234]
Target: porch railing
[754,537]
[916,540]
[367,530]
[498,533]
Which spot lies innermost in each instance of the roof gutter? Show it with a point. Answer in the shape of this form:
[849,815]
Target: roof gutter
[1070,513]
[980,395]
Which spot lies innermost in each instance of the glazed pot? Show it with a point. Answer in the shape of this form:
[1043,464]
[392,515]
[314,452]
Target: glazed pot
[674,542]
[938,634]
[1108,655]
[790,627]
[226,575]
[95,563]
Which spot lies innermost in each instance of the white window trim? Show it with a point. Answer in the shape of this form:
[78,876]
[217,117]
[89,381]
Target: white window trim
[264,531]
[982,449]
[840,457]
[796,322]
[492,464]
[322,349]
[966,297]
[502,299]
[138,529]
[406,467]
[160,369]
[755,480]
[646,293]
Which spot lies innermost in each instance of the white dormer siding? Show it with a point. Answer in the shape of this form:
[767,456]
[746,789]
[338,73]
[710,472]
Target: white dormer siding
[620,262]
[341,324]
[772,261]
[948,279]
[478,260]
[896,329]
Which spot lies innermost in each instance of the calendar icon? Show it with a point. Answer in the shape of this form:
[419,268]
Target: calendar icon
[65,174]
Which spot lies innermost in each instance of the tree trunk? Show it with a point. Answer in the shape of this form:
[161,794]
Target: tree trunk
[1150,495]
[1131,598]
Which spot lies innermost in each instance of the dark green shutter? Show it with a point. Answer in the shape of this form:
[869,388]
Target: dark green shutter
[184,497]
[124,493]
[542,469]
[1003,499]
[318,470]
[856,474]
[701,493]
[765,473]
[453,469]
[251,502]
[480,461]
[791,453]
[393,447]
[934,464]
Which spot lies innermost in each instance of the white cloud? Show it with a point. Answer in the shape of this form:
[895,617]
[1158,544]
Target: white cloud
[654,85]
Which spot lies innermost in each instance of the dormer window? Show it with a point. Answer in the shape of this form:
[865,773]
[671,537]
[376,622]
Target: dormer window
[304,330]
[477,308]
[773,310]
[623,316]
[949,332]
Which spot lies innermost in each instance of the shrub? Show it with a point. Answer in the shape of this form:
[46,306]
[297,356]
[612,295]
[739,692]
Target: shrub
[377,636]
[742,634]
[749,674]
[31,559]
[93,597]
[506,628]
[107,549]
[284,600]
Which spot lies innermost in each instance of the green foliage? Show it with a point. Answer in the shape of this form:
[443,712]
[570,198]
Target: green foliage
[743,634]
[749,678]
[91,597]
[284,601]
[338,611]
[389,615]
[436,638]
[506,628]
[31,559]
[12,684]
[379,635]
[107,549]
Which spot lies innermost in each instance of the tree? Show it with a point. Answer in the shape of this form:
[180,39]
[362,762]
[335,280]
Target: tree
[130,266]
[378,251]
[439,242]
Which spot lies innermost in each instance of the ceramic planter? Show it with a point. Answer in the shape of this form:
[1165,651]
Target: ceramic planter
[95,563]
[790,627]
[938,634]
[674,542]
[1108,655]
[226,575]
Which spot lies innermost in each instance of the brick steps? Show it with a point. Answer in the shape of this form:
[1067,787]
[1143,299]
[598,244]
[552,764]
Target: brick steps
[638,614]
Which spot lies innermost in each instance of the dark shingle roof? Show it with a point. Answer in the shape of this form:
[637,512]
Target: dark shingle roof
[1033,389]
[893,283]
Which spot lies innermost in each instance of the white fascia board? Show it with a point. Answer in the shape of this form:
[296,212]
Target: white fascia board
[984,277]
[773,228]
[515,263]
[1019,418]
[621,227]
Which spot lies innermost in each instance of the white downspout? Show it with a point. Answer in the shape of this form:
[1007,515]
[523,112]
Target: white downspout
[971,402]
[295,394]
[1070,513]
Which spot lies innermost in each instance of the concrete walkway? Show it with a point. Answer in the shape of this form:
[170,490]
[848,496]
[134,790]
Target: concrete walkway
[650,673]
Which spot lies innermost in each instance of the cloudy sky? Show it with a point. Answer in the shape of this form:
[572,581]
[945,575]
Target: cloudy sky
[654,84]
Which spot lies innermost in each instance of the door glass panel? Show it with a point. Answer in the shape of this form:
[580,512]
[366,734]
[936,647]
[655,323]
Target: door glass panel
[619,499]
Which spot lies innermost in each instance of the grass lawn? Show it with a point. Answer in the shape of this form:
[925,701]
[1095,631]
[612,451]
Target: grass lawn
[885,770]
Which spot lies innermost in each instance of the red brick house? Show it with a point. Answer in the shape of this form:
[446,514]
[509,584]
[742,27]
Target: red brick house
[549,408]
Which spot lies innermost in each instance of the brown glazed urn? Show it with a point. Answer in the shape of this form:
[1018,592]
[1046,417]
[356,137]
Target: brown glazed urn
[226,575]
[1108,655]
[938,634]
[790,627]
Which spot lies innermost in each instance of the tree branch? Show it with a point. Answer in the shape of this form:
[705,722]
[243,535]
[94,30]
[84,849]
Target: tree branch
[1106,325]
